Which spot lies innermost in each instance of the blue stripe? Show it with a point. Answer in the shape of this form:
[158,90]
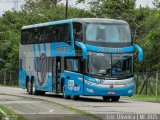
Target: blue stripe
[39,49]
[45,48]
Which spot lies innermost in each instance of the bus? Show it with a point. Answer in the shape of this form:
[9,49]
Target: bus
[78,57]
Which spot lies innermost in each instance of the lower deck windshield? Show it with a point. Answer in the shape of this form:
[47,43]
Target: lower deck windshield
[110,65]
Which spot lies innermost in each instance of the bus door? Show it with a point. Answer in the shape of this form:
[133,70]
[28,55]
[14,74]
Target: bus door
[74,76]
[56,73]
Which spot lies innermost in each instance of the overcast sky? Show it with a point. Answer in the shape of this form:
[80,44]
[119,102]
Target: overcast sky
[9,4]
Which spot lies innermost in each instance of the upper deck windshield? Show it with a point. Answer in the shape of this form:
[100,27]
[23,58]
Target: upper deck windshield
[111,33]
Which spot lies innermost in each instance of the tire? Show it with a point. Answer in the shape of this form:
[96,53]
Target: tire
[75,97]
[65,96]
[29,88]
[106,98]
[36,92]
[115,98]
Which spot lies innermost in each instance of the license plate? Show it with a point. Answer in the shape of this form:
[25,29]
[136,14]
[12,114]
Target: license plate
[111,93]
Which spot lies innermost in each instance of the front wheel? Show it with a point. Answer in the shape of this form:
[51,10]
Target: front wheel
[106,98]
[115,98]
[75,97]
[64,95]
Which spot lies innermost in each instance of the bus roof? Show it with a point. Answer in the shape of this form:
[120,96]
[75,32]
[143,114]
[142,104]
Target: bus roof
[81,20]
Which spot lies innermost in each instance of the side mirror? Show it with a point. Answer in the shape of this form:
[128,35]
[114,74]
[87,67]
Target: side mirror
[140,52]
[84,49]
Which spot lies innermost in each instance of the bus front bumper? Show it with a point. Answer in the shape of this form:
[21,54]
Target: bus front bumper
[106,91]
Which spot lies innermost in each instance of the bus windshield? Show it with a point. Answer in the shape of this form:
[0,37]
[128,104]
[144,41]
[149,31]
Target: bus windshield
[113,33]
[110,65]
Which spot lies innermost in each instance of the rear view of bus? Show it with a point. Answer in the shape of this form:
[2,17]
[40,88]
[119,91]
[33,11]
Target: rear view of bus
[93,58]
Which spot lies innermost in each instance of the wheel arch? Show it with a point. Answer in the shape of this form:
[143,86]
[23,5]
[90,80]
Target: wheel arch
[27,80]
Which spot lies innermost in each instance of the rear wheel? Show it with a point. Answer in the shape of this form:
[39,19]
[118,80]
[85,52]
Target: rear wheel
[75,97]
[115,98]
[106,98]
[36,92]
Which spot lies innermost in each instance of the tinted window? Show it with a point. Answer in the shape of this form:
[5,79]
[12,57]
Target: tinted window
[73,64]
[56,33]
[41,35]
[26,37]
[113,33]
[61,33]
[77,31]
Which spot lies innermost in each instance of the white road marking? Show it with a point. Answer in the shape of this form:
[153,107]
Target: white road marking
[51,111]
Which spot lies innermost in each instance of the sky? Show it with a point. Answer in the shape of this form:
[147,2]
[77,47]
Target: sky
[9,4]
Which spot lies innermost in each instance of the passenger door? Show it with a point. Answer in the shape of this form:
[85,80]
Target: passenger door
[73,76]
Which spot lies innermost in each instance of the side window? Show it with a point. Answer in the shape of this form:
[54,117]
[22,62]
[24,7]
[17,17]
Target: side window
[26,37]
[72,64]
[36,36]
[61,33]
[41,35]
[77,31]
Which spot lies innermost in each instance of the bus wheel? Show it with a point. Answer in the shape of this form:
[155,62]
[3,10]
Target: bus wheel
[106,98]
[29,88]
[115,98]
[38,92]
[34,91]
[75,97]
[65,96]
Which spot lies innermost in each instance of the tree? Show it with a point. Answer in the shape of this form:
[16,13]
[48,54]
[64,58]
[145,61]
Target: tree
[112,8]
[156,3]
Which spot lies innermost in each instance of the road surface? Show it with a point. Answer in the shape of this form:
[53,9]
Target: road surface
[49,104]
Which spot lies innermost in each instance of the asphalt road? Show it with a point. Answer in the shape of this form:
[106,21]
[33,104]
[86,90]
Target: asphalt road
[48,104]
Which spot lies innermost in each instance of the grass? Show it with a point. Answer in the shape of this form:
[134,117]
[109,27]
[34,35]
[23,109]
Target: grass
[146,98]
[10,113]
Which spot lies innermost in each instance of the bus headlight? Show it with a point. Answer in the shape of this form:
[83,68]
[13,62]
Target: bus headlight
[100,81]
[130,83]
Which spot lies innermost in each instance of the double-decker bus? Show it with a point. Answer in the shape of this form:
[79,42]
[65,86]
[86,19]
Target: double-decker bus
[78,57]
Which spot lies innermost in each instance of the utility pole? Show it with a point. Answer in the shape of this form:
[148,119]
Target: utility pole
[66,9]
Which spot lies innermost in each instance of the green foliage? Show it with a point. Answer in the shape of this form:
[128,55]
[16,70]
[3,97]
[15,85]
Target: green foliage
[144,24]
[112,8]
[33,12]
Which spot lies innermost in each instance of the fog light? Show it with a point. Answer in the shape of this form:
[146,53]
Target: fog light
[89,90]
[130,91]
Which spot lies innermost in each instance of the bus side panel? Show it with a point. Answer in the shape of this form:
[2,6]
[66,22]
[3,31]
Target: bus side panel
[40,63]
[47,86]
[22,78]
[73,83]
[22,68]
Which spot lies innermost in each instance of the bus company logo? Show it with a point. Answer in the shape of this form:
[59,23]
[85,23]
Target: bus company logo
[102,49]
[62,49]
[41,68]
